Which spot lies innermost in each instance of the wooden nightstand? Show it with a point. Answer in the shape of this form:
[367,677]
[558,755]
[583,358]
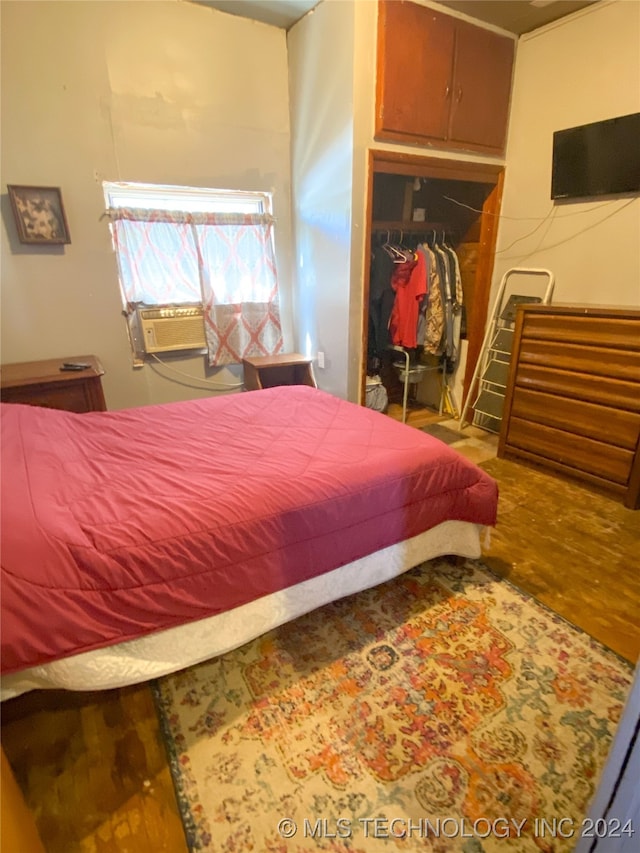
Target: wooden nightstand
[268,371]
[42,383]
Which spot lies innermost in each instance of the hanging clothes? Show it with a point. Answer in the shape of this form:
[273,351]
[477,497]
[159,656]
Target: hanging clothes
[415,300]
[424,305]
[444,312]
[453,347]
[381,299]
[447,300]
[435,309]
[409,281]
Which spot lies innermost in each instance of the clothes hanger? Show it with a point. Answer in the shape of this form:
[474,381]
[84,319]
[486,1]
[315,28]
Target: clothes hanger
[397,251]
[394,252]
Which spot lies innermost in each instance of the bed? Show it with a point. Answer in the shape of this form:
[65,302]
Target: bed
[141,541]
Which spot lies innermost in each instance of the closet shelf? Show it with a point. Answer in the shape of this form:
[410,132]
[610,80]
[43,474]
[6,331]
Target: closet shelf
[408,227]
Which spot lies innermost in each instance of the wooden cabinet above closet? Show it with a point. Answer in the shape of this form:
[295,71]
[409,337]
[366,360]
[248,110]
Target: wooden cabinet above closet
[441,81]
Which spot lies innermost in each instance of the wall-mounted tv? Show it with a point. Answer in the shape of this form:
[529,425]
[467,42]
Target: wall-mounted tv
[602,158]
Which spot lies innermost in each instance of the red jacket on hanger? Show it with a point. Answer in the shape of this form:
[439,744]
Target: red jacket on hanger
[409,280]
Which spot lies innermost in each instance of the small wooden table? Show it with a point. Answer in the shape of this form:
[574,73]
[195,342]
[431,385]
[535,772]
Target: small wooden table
[42,383]
[271,370]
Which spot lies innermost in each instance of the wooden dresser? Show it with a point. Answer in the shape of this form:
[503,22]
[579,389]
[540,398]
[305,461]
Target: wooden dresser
[285,369]
[573,396]
[42,383]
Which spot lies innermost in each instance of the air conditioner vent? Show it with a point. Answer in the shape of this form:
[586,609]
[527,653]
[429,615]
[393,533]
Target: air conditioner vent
[172,327]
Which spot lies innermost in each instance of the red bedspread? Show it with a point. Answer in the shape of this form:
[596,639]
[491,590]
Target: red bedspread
[118,524]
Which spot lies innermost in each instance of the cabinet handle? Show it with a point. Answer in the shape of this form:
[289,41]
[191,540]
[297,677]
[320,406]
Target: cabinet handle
[447,92]
[459,94]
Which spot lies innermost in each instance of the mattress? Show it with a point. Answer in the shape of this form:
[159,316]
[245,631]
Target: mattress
[164,652]
[118,525]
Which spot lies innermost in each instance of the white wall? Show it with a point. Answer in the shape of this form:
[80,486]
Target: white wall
[581,69]
[322,109]
[159,92]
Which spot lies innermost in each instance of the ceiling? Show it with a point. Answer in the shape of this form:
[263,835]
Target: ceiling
[516,16]
[279,13]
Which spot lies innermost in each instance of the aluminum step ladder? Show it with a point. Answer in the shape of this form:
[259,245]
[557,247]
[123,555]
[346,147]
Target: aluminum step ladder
[489,381]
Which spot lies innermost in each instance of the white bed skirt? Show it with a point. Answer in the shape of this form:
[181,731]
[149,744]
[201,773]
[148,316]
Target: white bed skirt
[176,648]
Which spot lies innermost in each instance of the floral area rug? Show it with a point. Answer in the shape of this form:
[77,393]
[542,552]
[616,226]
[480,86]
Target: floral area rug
[442,711]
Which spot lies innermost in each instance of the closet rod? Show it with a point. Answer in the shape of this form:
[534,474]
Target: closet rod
[422,235]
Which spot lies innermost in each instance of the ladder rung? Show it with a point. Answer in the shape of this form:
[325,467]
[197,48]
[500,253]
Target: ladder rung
[509,312]
[503,341]
[497,373]
[490,403]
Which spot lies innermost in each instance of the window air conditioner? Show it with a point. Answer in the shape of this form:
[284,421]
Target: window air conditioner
[172,327]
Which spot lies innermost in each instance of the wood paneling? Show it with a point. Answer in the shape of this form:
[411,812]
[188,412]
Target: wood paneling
[417,165]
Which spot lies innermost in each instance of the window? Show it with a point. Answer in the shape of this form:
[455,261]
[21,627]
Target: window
[178,245]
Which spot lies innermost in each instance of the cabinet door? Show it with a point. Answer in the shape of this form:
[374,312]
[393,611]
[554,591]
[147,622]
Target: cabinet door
[415,65]
[481,87]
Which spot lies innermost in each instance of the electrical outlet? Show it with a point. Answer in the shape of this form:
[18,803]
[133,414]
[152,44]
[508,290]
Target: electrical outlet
[320,359]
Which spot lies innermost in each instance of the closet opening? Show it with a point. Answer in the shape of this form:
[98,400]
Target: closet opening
[432,225]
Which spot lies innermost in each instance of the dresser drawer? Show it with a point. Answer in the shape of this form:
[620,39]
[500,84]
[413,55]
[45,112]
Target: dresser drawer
[601,423]
[597,361]
[616,393]
[71,397]
[573,451]
[587,330]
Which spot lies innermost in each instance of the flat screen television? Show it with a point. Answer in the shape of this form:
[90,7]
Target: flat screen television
[602,158]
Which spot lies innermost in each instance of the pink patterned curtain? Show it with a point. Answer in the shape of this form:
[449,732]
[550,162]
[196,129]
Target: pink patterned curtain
[224,261]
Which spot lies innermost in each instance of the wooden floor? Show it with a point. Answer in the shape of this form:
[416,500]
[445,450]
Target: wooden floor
[574,549]
[94,772]
[93,768]
[417,416]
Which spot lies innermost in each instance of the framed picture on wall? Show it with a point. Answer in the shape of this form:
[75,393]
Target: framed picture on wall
[39,214]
